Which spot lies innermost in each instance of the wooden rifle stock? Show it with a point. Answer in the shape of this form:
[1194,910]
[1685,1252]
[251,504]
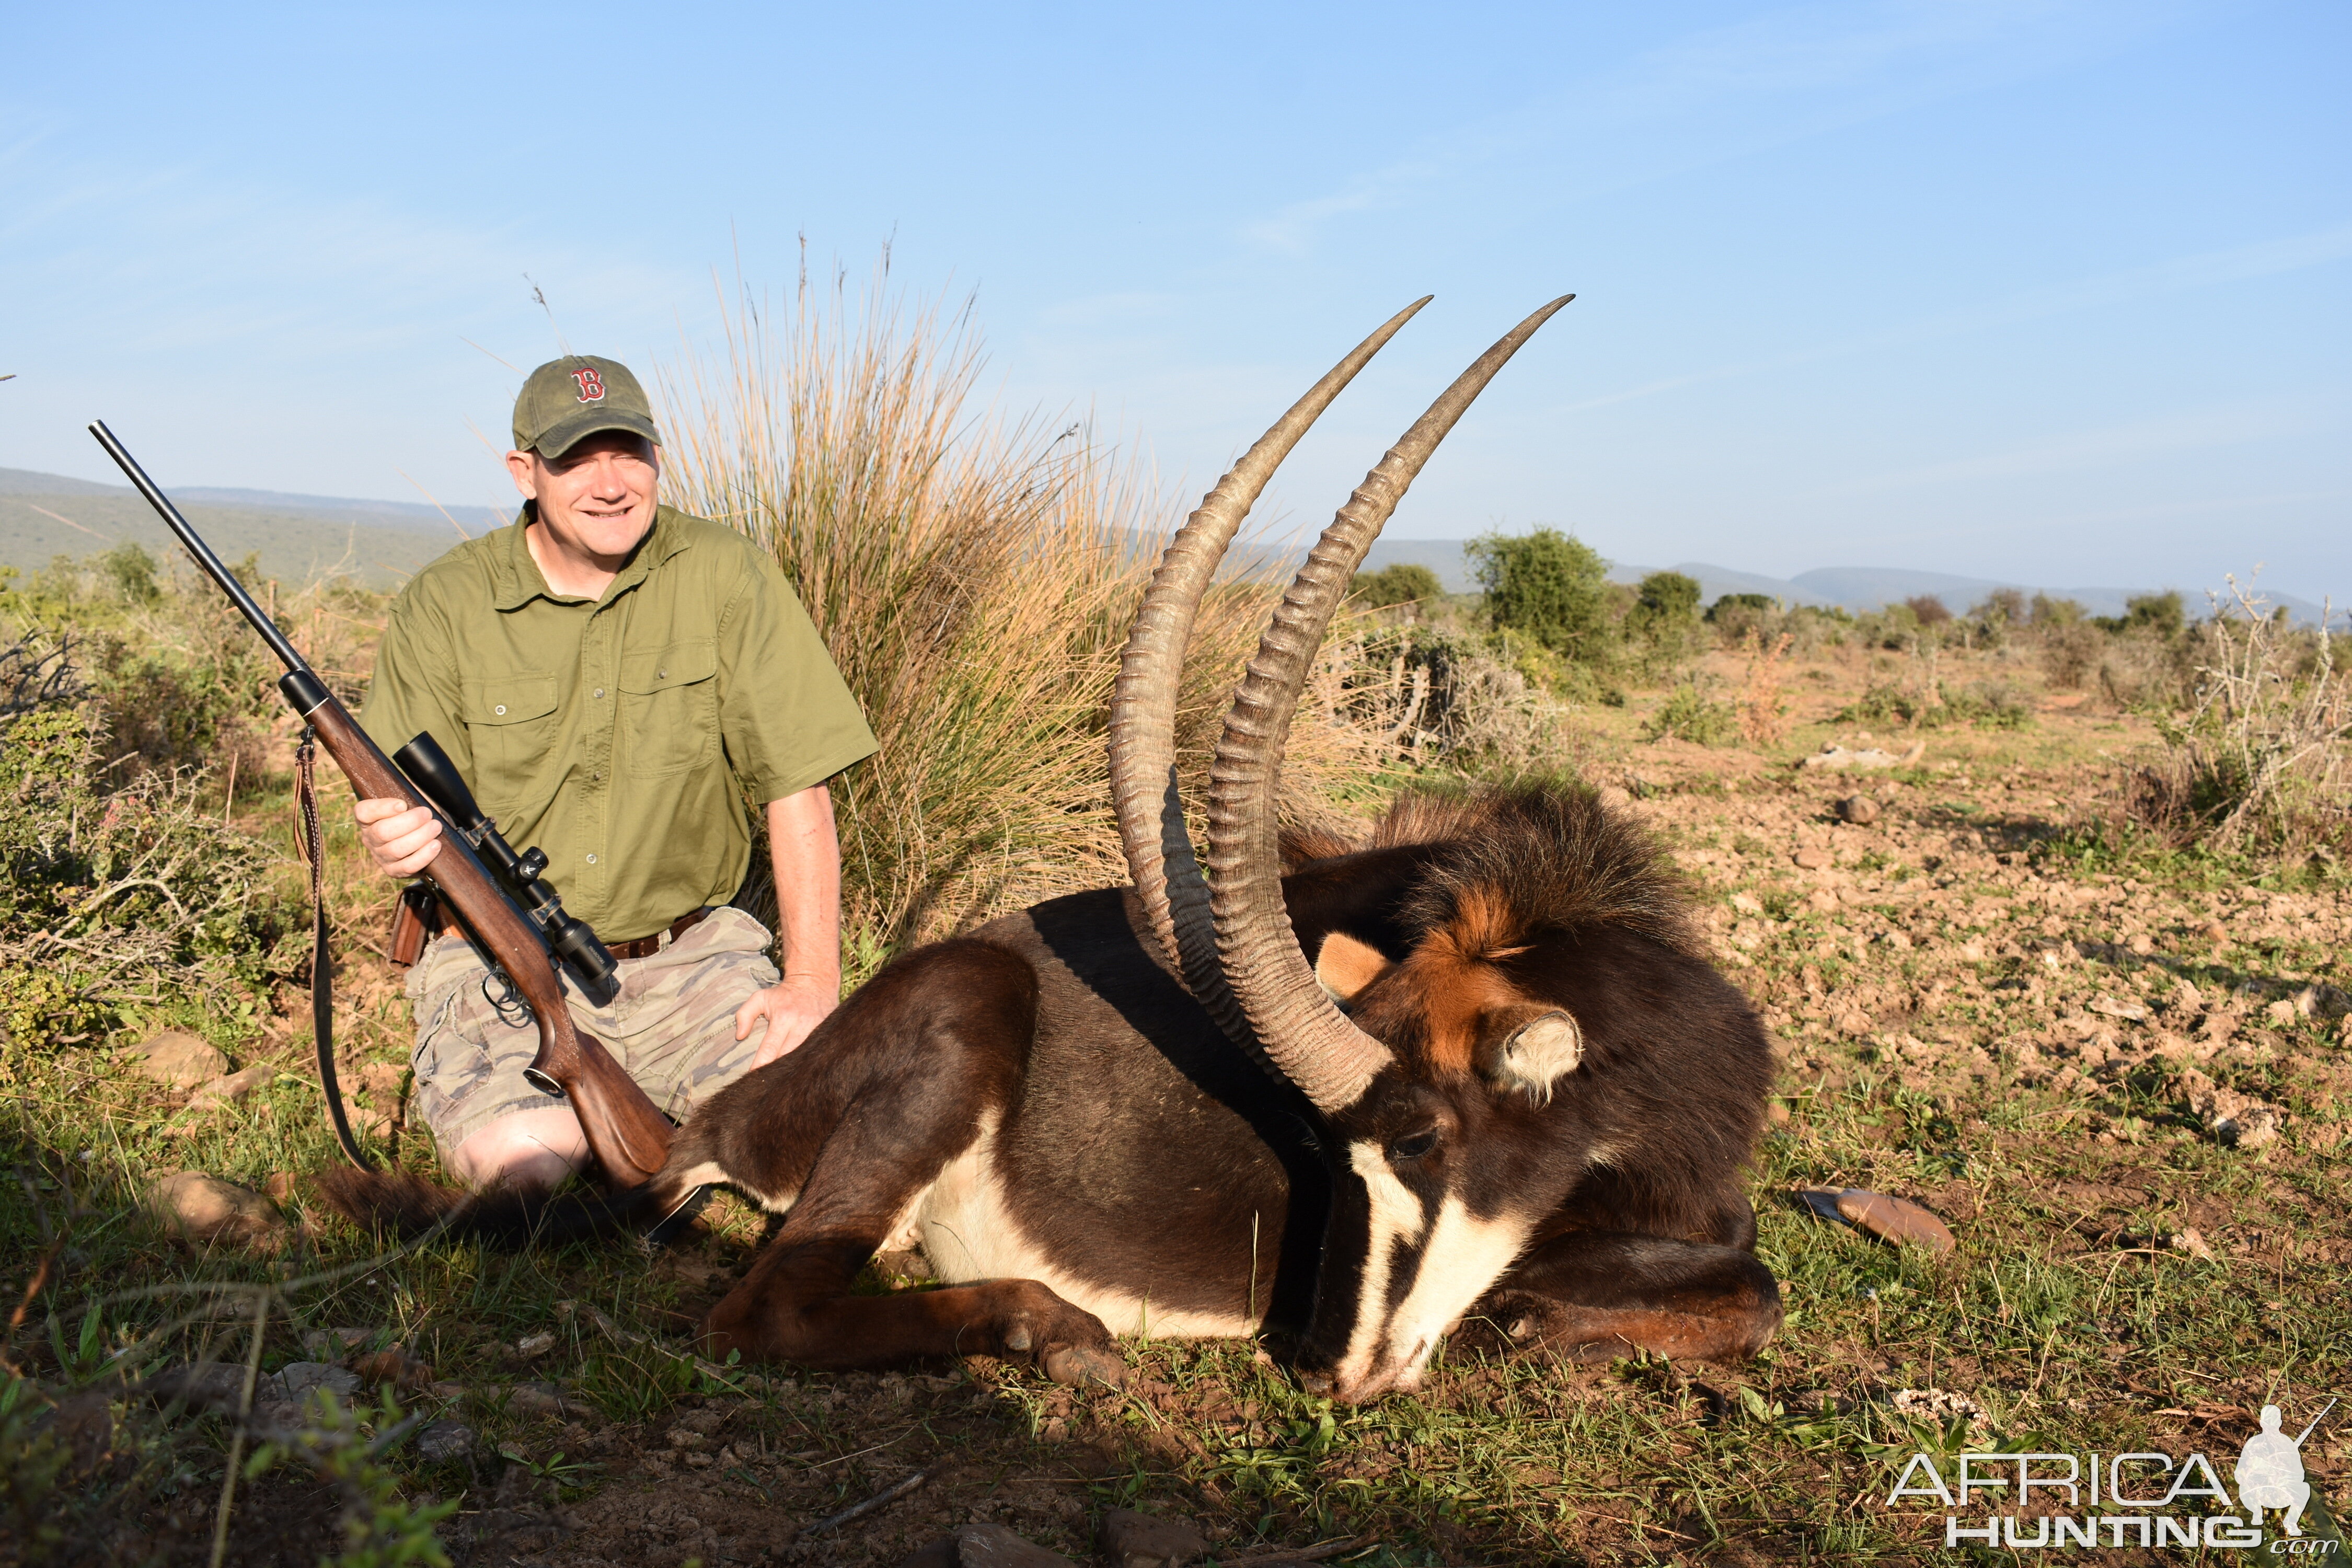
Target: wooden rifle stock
[629,1135]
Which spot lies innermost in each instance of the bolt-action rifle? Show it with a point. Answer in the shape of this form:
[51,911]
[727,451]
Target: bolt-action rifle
[523,933]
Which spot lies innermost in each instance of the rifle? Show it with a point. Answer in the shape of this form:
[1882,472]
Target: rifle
[525,943]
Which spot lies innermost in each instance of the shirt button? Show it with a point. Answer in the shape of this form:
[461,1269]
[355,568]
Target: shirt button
[501,708]
[591,859]
[600,691]
[661,675]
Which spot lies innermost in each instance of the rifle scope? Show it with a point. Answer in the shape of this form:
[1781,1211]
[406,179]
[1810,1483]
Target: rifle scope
[430,769]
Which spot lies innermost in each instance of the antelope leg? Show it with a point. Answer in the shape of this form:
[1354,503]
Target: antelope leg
[1592,1295]
[845,1135]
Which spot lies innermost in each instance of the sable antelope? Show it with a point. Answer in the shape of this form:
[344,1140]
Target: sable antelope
[1476,1064]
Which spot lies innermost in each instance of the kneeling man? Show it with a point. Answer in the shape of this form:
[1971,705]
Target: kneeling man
[615,679]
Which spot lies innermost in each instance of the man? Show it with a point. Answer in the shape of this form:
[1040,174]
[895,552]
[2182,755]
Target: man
[612,675]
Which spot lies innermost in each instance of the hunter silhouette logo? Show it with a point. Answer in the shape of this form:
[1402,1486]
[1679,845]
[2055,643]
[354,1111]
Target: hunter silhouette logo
[2269,1472]
[592,385]
[2126,1500]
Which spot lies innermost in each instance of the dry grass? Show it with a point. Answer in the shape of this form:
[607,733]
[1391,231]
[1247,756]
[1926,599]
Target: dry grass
[974,575]
[2260,757]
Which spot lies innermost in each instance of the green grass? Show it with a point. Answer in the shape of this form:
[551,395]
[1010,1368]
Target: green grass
[2057,1314]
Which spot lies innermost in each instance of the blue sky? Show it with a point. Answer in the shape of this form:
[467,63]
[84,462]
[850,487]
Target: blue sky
[2051,292]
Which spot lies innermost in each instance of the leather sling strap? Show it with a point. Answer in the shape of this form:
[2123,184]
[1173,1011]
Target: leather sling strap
[322,969]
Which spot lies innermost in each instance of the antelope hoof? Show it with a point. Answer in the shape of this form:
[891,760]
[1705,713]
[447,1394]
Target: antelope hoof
[1081,1366]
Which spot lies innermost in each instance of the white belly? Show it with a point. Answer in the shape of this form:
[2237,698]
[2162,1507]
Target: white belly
[968,1233]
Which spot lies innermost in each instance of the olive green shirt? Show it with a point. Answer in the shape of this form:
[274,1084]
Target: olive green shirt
[620,734]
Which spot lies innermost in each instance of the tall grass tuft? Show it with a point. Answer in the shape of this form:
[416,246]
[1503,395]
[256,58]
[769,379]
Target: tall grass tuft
[2260,757]
[974,575]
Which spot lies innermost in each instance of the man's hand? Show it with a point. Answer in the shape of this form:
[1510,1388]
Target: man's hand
[403,838]
[790,1010]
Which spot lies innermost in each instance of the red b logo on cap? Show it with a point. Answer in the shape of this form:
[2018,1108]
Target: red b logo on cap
[591,390]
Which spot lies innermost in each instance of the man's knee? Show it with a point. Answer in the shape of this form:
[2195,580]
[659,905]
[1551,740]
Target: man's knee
[523,1149]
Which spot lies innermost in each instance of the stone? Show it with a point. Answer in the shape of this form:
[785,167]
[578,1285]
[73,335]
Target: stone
[1840,759]
[538,1399]
[2135,1011]
[2236,1121]
[536,1344]
[204,1211]
[2214,931]
[995,1546]
[1132,1540]
[940,1554]
[1746,903]
[1938,1408]
[178,1059]
[236,1086]
[443,1440]
[1858,809]
[394,1365]
[1814,857]
[209,1385]
[1895,1219]
[1875,1214]
[301,1379]
[335,1344]
[2189,1242]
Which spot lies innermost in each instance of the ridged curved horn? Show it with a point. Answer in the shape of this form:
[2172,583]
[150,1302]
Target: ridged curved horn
[1143,705]
[1309,1038]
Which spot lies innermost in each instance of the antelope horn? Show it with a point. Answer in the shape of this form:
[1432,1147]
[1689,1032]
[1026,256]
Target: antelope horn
[1143,705]
[1301,1032]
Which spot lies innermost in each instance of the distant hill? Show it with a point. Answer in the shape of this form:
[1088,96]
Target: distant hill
[297,537]
[1856,588]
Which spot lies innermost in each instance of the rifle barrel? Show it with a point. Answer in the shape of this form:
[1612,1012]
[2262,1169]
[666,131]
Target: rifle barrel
[200,550]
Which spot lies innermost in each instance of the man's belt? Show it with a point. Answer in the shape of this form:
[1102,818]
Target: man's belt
[646,946]
[417,919]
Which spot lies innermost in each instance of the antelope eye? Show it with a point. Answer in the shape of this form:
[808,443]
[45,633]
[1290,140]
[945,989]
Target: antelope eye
[1414,1145]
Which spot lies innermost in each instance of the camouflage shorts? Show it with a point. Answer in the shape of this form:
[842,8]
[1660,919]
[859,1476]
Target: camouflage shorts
[672,1025]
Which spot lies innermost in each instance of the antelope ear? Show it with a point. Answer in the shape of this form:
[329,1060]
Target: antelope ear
[1344,965]
[1539,1055]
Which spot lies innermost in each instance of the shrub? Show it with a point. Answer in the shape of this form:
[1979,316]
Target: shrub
[1664,621]
[1689,715]
[2158,614]
[2070,649]
[1928,609]
[1406,582]
[2260,758]
[108,897]
[1763,705]
[1985,704]
[1549,585]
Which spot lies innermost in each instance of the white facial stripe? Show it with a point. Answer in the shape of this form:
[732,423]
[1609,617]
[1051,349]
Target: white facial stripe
[1397,1223]
[1465,1256]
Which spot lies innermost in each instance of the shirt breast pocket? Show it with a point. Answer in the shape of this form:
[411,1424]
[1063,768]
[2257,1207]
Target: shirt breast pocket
[669,709]
[510,725]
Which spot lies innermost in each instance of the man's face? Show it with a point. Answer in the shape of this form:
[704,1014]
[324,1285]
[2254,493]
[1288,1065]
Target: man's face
[597,499]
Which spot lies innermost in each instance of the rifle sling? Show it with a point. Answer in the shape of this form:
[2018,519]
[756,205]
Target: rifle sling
[322,969]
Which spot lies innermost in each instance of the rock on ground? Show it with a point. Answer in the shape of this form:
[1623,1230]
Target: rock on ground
[205,1211]
[995,1546]
[177,1059]
[1132,1540]
[445,1440]
[235,1086]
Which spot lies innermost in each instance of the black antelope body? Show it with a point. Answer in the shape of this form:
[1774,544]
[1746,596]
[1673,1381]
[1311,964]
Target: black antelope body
[1476,1065]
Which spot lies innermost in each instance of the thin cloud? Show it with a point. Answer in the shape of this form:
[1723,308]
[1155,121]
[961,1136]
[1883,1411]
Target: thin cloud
[2190,431]
[1730,91]
[2264,259]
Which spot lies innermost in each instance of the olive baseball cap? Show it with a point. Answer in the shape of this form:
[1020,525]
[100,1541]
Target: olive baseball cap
[578,395]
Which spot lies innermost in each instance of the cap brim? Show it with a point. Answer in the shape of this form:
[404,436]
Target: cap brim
[567,433]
